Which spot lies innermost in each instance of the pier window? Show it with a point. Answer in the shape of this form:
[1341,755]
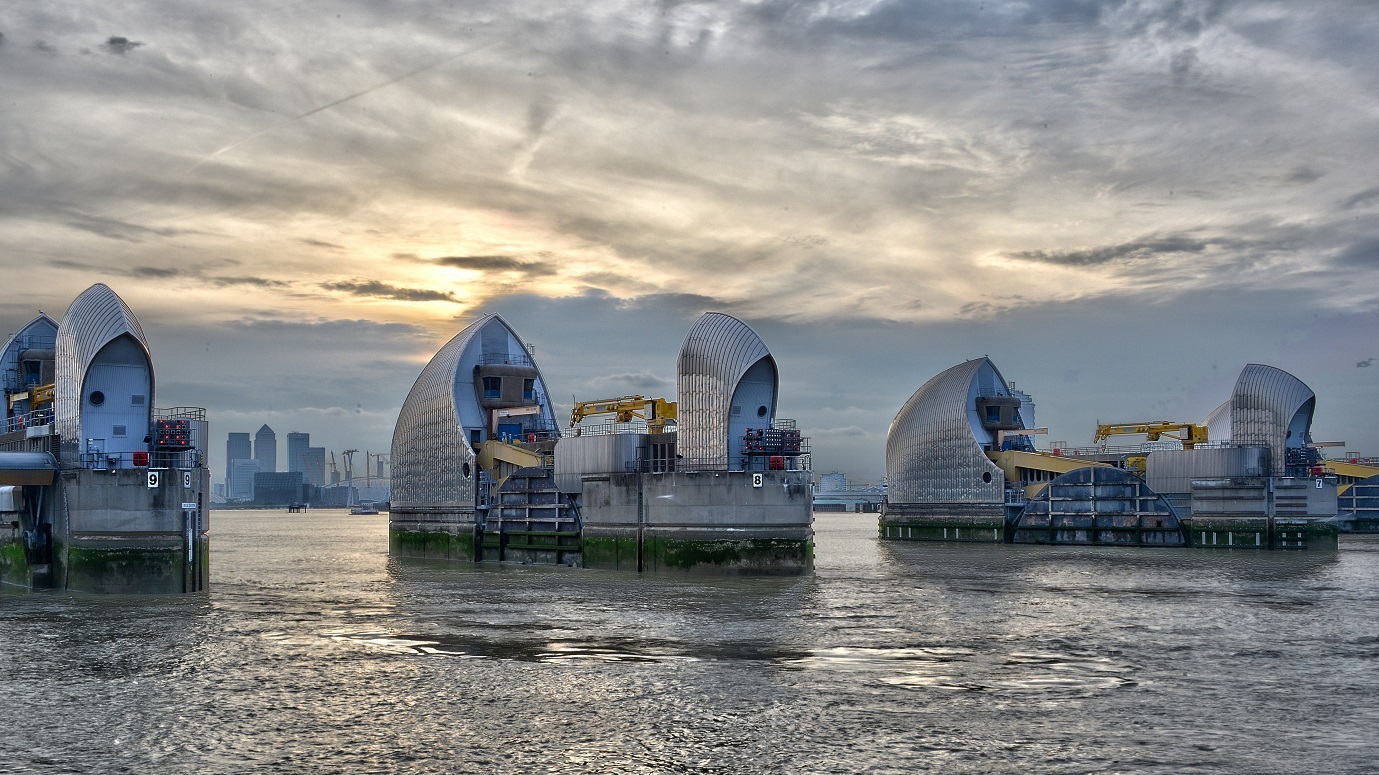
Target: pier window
[528,390]
[493,387]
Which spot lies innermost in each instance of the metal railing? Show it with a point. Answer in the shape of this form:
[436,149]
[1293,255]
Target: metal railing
[605,429]
[800,462]
[33,419]
[180,413]
[506,359]
[158,459]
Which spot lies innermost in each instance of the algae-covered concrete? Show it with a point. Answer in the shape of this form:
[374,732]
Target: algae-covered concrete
[1225,532]
[114,533]
[434,534]
[736,522]
[962,522]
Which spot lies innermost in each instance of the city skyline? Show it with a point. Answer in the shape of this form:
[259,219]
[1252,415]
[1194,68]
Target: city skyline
[1120,203]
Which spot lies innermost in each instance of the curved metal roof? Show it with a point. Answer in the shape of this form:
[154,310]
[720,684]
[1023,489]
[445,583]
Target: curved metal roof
[1218,423]
[430,454]
[932,454]
[31,329]
[1268,408]
[95,318]
[717,352]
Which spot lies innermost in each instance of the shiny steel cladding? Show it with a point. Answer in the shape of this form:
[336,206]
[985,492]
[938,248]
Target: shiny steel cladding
[95,318]
[717,354]
[933,453]
[433,462]
[1268,408]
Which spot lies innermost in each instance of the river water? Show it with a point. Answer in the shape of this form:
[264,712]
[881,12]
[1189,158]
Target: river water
[313,652]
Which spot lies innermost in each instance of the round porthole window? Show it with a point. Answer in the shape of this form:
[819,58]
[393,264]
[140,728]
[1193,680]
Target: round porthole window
[986,477]
[761,411]
[466,470]
[97,398]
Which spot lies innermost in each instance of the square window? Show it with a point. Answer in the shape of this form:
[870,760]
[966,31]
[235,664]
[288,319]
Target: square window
[493,387]
[118,431]
[136,400]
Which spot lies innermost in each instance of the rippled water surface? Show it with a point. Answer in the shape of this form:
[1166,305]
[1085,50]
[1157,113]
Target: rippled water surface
[313,652]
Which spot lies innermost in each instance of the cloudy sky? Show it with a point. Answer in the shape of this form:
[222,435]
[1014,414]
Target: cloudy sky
[1121,203]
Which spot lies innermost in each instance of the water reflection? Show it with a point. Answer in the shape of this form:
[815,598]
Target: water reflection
[314,652]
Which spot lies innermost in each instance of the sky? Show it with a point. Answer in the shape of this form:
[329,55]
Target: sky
[1120,203]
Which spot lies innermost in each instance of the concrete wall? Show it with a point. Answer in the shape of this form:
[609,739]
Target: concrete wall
[114,533]
[979,522]
[702,521]
[432,533]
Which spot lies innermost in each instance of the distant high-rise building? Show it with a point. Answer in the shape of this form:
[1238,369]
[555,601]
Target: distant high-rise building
[266,449]
[316,466]
[297,444]
[283,488]
[240,485]
[236,448]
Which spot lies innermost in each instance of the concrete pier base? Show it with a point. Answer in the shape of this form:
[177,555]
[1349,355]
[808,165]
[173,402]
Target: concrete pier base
[961,522]
[712,522]
[113,533]
[432,534]
[1223,532]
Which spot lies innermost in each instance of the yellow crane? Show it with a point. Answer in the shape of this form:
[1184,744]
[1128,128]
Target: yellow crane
[656,411]
[37,395]
[1192,434]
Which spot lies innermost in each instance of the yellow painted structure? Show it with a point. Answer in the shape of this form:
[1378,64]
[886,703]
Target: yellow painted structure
[1192,434]
[512,457]
[1036,469]
[1348,473]
[655,411]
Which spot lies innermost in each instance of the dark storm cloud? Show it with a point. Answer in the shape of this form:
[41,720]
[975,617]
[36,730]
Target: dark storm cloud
[1127,252]
[638,380]
[1365,364]
[117,44]
[155,272]
[496,264]
[194,273]
[43,47]
[116,229]
[1363,197]
[1361,254]
[258,282]
[381,290]
[683,305]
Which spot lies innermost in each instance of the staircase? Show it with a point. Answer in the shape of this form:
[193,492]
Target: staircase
[531,522]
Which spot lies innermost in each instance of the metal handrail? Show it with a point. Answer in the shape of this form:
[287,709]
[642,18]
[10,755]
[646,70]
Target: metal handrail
[506,359]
